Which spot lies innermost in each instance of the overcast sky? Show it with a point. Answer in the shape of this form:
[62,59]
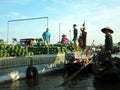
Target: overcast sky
[62,14]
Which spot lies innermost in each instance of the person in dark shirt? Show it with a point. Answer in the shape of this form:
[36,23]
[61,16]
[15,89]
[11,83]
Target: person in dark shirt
[106,55]
[108,38]
[83,36]
[75,36]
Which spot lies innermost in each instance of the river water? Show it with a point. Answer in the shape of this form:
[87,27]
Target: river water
[52,81]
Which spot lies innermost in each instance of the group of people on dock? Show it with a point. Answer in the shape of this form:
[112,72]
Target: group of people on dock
[80,40]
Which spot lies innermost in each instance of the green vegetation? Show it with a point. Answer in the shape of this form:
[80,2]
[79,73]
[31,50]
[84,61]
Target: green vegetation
[7,50]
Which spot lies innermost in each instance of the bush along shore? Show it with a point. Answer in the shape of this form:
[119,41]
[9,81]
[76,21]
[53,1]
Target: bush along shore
[10,50]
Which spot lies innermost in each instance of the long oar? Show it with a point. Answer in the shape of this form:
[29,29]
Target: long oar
[76,73]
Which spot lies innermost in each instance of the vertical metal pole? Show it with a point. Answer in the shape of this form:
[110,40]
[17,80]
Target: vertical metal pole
[59,32]
[48,45]
[47,22]
[7,32]
[70,34]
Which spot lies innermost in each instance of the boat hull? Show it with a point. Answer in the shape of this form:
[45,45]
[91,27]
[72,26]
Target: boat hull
[107,70]
[15,68]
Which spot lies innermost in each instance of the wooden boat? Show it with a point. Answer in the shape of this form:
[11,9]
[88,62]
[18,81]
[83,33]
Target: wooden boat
[82,63]
[74,67]
[106,68]
[74,64]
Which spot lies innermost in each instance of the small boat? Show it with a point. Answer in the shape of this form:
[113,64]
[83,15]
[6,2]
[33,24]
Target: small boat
[74,64]
[106,68]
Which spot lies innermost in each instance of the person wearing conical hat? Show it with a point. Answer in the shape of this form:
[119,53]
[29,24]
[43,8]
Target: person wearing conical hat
[108,38]
[64,39]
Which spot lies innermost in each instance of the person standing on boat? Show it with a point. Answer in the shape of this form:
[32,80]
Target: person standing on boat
[84,36]
[46,37]
[105,56]
[108,38]
[75,36]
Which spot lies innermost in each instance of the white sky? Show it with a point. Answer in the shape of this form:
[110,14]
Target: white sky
[96,13]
